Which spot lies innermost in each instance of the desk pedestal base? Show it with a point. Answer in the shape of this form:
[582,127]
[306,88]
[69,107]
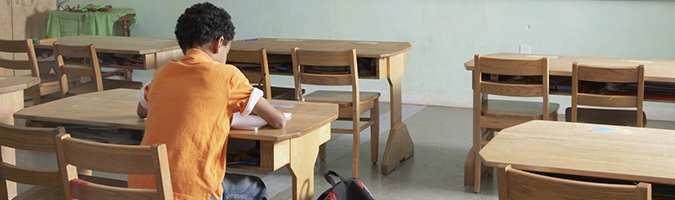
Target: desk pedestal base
[399,147]
[10,103]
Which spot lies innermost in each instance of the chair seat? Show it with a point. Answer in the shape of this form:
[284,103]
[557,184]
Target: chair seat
[605,116]
[41,193]
[49,83]
[342,98]
[517,109]
[108,84]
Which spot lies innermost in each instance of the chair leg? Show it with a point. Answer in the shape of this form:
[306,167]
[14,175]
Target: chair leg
[468,168]
[36,98]
[356,150]
[374,131]
[490,135]
[322,151]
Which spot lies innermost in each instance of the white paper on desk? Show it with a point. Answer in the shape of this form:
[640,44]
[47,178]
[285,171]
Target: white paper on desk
[250,122]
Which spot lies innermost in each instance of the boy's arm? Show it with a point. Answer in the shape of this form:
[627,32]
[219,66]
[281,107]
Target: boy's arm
[141,111]
[273,116]
[142,108]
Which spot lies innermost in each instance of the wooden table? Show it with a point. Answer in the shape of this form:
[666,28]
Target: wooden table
[390,59]
[155,52]
[560,65]
[602,151]
[296,146]
[11,100]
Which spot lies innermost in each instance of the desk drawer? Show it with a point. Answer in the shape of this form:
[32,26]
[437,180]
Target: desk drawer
[273,155]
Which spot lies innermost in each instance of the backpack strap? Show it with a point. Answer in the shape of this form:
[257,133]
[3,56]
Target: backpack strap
[330,180]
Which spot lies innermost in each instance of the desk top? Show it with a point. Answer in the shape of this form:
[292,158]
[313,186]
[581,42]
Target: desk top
[560,65]
[117,109]
[615,152]
[366,49]
[117,44]
[15,83]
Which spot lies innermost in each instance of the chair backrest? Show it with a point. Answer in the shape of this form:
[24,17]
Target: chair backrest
[305,63]
[32,139]
[521,185]
[91,69]
[112,158]
[633,74]
[19,46]
[257,57]
[511,67]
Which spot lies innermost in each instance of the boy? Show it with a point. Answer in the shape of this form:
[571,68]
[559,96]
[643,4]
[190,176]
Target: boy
[189,105]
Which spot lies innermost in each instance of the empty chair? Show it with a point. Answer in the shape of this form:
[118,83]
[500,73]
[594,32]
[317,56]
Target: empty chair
[521,185]
[49,83]
[352,104]
[258,59]
[122,159]
[91,69]
[47,182]
[605,74]
[493,115]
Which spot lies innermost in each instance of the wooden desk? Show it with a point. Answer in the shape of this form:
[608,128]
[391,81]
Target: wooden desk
[296,146]
[11,100]
[560,65]
[390,59]
[155,52]
[602,151]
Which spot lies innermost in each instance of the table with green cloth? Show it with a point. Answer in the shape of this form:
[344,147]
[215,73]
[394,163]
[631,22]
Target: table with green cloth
[65,23]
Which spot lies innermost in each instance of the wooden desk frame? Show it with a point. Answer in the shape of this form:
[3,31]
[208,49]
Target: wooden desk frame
[391,58]
[155,52]
[296,146]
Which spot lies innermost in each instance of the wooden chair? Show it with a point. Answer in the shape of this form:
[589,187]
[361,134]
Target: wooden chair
[632,74]
[47,182]
[49,84]
[258,58]
[112,158]
[352,104]
[92,70]
[493,115]
[521,185]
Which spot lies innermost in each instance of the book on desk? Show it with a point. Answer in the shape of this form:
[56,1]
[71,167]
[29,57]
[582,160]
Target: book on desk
[250,122]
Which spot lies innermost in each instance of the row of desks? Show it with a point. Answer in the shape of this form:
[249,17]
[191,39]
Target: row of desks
[390,59]
[295,146]
[592,150]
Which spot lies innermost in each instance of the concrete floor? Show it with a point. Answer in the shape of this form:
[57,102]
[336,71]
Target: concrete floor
[442,138]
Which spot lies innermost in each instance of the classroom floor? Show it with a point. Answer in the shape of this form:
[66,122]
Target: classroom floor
[442,138]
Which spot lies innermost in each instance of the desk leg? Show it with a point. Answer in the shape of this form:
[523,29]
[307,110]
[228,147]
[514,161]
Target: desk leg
[9,104]
[399,144]
[304,151]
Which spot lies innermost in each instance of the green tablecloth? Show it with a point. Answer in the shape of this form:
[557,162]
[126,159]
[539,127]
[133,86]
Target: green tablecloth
[64,23]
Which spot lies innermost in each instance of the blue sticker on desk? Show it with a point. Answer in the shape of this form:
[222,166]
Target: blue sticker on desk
[606,129]
[282,105]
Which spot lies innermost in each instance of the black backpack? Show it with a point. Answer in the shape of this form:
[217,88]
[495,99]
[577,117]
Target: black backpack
[345,189]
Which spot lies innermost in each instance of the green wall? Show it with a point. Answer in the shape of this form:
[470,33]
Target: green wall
[443,33]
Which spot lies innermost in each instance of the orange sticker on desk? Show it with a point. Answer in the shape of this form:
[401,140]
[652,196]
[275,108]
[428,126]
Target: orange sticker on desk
[610,130]
[540,56]
[640,61]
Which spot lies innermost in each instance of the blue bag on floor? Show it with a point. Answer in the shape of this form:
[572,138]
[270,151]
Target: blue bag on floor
[345,189]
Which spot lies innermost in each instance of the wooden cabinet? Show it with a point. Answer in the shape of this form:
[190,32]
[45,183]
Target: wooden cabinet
[22,19]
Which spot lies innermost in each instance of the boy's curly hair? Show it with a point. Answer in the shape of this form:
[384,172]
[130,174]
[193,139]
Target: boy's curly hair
[203,23]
